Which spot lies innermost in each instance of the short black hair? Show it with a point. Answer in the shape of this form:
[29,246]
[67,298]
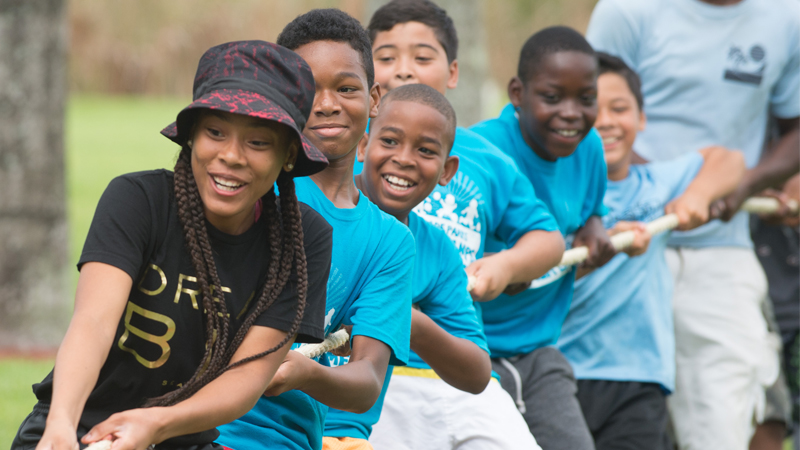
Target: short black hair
[422,11]
[330,25]
[611,64]
[425,95]
[548,41]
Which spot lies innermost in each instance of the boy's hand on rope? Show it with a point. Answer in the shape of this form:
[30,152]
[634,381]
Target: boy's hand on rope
[491,278]
[641,241]
[293,373]
[692,210]
[785,215]
[727,207]
[594,237]
[345,349]
[135,429]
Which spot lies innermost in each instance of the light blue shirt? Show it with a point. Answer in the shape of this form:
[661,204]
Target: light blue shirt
[710,76]
[369,287]
[440,291]
[573,189]
[619,326]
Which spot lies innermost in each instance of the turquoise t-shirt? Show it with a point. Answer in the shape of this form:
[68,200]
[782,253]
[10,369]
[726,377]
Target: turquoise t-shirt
[439,289]
[369,287]
[573,189]
[711,75]
[619,326]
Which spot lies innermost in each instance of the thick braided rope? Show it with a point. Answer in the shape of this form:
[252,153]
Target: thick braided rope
[621,241]
[331,342]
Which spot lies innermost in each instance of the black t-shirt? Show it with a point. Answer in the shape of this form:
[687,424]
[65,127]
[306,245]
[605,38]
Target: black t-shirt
[160,338]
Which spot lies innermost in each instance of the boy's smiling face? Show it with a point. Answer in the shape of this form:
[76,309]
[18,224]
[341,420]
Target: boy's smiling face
[343,102]
[619,119]
[406,155]
[558,105]
[409,53]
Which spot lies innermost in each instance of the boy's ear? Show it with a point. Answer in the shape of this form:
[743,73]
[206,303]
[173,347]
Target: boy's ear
[375,95]
[452,80]
[361,151]
[450,169]
[515,90]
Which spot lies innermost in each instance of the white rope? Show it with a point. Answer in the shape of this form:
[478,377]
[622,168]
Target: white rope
[621,241]
[100,445]
[331,342]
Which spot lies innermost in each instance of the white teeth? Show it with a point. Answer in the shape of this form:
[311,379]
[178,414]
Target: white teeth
[224,185]
[398,183]
[610,140]
[567,133]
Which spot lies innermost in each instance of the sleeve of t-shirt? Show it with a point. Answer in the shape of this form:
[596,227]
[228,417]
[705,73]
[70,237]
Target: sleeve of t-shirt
[519,210]
[449,304]
[594,205]
[785,99]
[677,174]
[317,242]
[121,227]
[382,311]
[615,28]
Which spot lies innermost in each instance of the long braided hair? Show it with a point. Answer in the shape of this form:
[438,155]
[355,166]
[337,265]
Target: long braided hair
[286,252]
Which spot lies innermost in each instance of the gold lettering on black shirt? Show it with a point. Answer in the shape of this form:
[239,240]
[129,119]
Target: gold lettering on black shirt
[161,341]
[158,290]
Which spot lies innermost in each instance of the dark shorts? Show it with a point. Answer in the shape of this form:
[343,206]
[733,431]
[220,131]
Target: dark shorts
[625,415]
[32,429]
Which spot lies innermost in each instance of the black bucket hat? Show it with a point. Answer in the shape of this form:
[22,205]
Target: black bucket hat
[257,79]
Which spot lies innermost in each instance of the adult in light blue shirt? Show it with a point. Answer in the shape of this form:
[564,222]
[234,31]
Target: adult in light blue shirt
[369,287]
[573,189]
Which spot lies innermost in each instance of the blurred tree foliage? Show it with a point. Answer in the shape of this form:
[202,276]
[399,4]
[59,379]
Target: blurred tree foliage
[152,46]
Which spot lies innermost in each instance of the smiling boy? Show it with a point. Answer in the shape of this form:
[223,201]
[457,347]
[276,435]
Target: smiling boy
[370,279]
[406,156]
[618,335]
[547,131]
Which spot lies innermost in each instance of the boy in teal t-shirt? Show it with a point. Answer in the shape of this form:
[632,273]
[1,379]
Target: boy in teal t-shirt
[547,131]
[407,154]
[369,286]
[618,335]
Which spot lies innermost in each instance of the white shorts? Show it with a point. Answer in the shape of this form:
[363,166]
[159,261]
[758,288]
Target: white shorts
[421,412]
[725,356]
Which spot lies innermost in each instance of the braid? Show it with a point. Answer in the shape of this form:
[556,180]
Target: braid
[294,255]
[287,251]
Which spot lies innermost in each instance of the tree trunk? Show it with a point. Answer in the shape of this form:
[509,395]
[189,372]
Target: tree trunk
[467,98]
[34,306]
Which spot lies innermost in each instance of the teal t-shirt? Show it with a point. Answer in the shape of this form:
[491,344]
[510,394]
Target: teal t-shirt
[619,326]
[439,289]
[369,287]
[573,189]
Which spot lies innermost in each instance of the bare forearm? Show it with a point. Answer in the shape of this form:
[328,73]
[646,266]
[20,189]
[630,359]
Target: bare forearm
[352,387]
[780,164]
[721,173]
[459,362]
[532,256]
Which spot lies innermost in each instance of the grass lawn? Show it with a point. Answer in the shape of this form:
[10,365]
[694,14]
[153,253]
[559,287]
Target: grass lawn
[18,375]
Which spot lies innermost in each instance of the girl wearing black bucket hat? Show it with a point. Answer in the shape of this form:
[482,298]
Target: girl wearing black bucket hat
[194,284]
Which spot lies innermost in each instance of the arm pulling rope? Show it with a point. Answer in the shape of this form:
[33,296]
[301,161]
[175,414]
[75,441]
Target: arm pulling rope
[621,241]
[333,341]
